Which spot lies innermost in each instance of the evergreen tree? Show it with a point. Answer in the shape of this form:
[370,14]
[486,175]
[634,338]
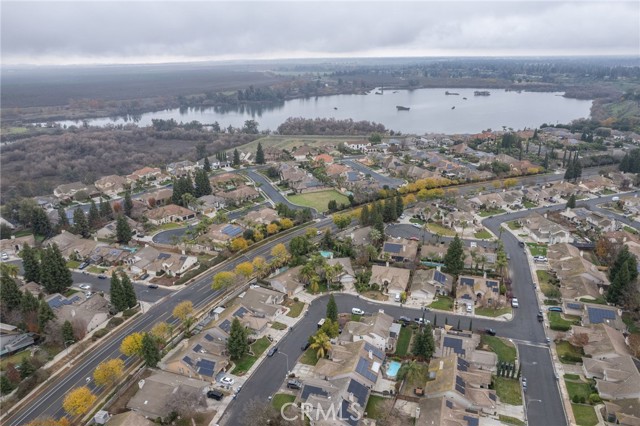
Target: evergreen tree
[150,352]
[80,224]
[45,314]
[10,294]
[389,212]
[423,343]
[123,230]
[399,206]
[106,212]
[26,367]
[259,154]
[178,190]
[571,203]
[429,342]
[364,215]
[454,259]
[545,162]
[63,221]
[5,385]
[188,185]
[94,216]
[237,344]
[55,276]
[40,222]
[67,332]
[30,264]
[118,298]
[332,309]
[128,203]
[203,186]
[129,294]
[29,303]
[236,157]
[207,165]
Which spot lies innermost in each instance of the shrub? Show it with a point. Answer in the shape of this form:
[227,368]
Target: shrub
[100,333]
[571,358]
[296,299]
[129,313]
[594,399]
[114,322]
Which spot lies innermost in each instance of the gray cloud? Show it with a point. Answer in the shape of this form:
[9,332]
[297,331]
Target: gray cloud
[67,32]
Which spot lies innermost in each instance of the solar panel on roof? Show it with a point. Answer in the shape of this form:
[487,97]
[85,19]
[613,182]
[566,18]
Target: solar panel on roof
[363,369]
[463,365]
[164,256]
[241,312]
[574,306]
[449,404]
[455,344]
[467,281]
[459,381]
[439,277]
[226,326]
[197,348]
[492,396]
[359,391]
[598,316]
[232,230]
[492,283]
[471,421]
[466,296]
[392,247]
[208,337]
[188,360]
[376,352]
[312,390]
[460,389]
[347,415]
[206,367]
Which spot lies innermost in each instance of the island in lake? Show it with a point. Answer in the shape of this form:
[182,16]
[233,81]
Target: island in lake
[402,108]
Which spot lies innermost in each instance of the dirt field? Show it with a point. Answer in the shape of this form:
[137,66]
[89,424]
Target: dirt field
[291,142]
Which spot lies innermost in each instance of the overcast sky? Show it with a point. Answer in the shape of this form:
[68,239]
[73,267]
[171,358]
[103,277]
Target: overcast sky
[54,32]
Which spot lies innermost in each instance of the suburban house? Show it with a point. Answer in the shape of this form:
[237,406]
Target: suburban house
[347,394]
[288,282]
[393,281]
[578,277]
[603,314]
[334,170]
[444,411]
[596,184]
[68,191]
[374,329]
[88,313]
[73,246]
[429,283]
[616,378]
[208,204]
[472,290]
[346,277]
[226,181]
[359,237]
[478,256]
[464,344]
[223,232]
[263,301]
[399,250]
[603,342]
[542,230]
[151,260]
[301,153]
[144,174]
[13,340]
[105,255]
[159,197]
[264,216]
[562,190]
[239,195]
[14,245]
[182,168]
[254,322]
[624,412]
[170,213]
[202,356]
[325,158]
[459,382]
[359,361]
[109,230]
[358,146]
[128,418]
[111,185]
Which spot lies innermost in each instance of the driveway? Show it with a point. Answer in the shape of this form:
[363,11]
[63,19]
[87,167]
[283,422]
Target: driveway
[382,180]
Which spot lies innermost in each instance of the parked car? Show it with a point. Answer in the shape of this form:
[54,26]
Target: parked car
[5,256]
[473,244]
[404,320]
[514,302]
[144,276]
[555,309]
[414,238]
[294,384]
[540,317]
[415,225]
[357,311]
[490,331]
[421,321]
[85,286]
[215,394]
[152,286]
[83,265]
[102,276]
[227,380]
[540,258]
[521,243]
[469,308]
[305,346]
[272,351]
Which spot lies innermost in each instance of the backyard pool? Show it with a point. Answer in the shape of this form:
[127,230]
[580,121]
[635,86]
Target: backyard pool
[392,369]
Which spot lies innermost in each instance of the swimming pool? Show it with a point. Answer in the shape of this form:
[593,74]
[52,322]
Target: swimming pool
[392,369]
[326,254]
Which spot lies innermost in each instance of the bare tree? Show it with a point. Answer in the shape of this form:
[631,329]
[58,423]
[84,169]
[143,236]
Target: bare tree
[79,328]
[258,412]
[186,403]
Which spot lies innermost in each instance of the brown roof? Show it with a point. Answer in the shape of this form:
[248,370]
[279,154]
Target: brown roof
[169,210]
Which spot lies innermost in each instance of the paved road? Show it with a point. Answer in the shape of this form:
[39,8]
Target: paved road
[49,403]
[382,180]
[142,291]
[270,190]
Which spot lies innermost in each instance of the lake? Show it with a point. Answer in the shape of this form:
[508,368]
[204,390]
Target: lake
[431,110]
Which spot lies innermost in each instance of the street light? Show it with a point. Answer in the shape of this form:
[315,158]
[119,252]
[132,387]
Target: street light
[526,411]
[66,348]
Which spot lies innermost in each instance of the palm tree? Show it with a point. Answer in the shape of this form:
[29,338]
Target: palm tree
[9,270]
[375,236]
[411,371]
[314,287]
[307,272]
[321,344]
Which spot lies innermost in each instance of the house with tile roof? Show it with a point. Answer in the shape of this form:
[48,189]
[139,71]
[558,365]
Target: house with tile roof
[374,329]
[616,378]
[429,283]
[391,280]
[111,185]
[288,282]
[145,174]
[170,213]
[202,356]
[543,230]
[603,341]
[472,289]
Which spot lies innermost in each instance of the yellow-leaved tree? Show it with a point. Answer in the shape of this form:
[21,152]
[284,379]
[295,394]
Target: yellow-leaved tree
[286,223]
[244,269]
[260,266]
[107,373]
[223,279]
[280,253]
[184,311]
[161,331]
[238,244]
[272,228]
[78,401]
[132,344]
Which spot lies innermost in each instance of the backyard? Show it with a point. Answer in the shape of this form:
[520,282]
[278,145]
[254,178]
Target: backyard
[506,351]
[257,348]
[402,347]
[378,406]
[319,200]
[442,303]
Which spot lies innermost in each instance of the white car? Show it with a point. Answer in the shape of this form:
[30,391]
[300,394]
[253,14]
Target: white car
[514,302]
[473,244]
[85,286]
[5,256]
[227,380]
[540,258]
[415,225]
[357,311]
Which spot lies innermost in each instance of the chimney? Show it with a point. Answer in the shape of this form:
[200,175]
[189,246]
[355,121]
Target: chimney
[370,354]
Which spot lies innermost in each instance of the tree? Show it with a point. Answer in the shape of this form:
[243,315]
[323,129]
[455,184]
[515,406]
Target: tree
[63,220]
[250,126]
[280,253]
[132,344]
[80,224]
[236,157]
[411,371]
[606,250]
[26,367]
[5,385]
[29,303]
[223,279]
[184,311]
[207,165]
[10,294]
[67,332]
[238,244]
[571,203]
[202,184]
[150,352]
[49,421]
[55,275]
[332,309]
[237,343]
[116,292]
[330,328]
[94,216]
[424,344]
[272,228]
[128,203]
[259,154]
[261,266]
[622,274]
[108,372]
[78,401]
[364,215]
[299,246]
[106,212]
[244,269]
[342,220]
[161,331]
[40,222]
[286,223]
[321,344]
[45,314]
[332,206]
[129,294]
[123,230]
[454,259]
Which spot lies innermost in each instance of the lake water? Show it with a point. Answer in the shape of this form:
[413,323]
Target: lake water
[431,111]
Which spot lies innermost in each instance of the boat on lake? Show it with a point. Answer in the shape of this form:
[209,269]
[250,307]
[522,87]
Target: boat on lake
[402,108]
[481,93]
[451,93]
[453,107]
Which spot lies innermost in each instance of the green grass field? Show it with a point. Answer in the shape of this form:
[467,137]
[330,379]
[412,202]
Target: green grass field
[483,235]
[513,225]
[280,399]
[585,415]
[558,323]
[578,388]
[373,410]
[278,326]
[490,312]
[567,353]
[537,249]
[309,357]
[258,347]
[505,350]
[295,309]
[443,303]
[491,212]
[441,230]
[403,341]
[508,390]
[548,289]
[510,420]
[319,200]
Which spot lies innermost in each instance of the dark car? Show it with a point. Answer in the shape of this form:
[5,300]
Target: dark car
[521,243]
[83,265]
[404,320]
[305,346]
[214,394]
[152,286]
[102,276]
[540,317]
[490,331]
[294,384]
[272,351]
[144,276]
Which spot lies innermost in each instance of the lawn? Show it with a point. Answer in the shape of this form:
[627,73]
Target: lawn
[309,357]
[505,350]
[630,229]
[280,399]
[491,212]
[548,289]
[558,323]
[373,409]
[258,347]
[319,200]
[483,235]
[15,358]
[73,264]
[585,415]
[568,353]
[508,390]
[278,326]
[578,388]
[491,312]
[441,230]
[443,303]
[403,341]
[295,309]
[416,220]
[510,420]
[513,225]
[356,318]
[628,320]
[170,225]
[529,204]
[23,233]
[537,249]
[95,270]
